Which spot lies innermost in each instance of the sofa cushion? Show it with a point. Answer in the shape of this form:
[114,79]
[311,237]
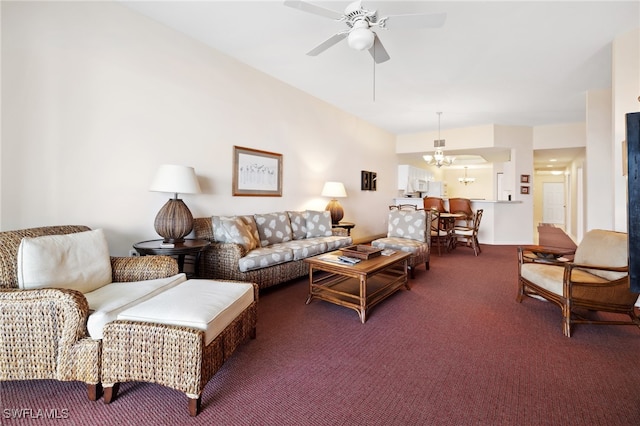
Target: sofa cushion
[334,242]
[273,228]
[407,245]
[318,223]
[408,224]
[233,230]
[302,249]
[202,304]
[298,225]
[265,256]
[78,261]
[108,301]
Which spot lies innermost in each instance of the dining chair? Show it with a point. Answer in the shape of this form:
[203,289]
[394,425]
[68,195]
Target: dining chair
[404,207]
[469,234]
[441,231]
[462,206]
[434,203]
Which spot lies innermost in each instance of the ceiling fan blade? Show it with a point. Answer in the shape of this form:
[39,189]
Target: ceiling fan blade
[312,8]
[416,21]
[378,52]
[327,43]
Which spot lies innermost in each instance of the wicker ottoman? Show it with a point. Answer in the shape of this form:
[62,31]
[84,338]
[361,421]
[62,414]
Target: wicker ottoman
[179,338]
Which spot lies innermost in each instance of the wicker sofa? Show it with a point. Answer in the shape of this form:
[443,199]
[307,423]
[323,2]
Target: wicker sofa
[267,249]
[43,331]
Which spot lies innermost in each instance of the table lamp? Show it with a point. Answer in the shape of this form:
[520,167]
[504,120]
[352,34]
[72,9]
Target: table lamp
[334,190]
[174,220]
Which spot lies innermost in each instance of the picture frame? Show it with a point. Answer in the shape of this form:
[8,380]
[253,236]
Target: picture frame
[365,180]
[524,178]
[524,190]
[368,180]
[256,173]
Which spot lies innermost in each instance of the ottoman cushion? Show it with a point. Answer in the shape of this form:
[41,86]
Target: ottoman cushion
[108,301]
[206,305]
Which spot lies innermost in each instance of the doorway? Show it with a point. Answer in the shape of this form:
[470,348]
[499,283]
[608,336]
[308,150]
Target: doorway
[553,203]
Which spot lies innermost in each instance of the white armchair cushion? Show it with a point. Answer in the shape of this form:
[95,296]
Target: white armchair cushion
[108,301]
[604,248]
[78,261]
[550,277]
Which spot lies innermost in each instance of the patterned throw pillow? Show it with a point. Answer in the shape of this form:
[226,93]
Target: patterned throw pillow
[233,229]
[298,225]
[408,224]
[273,228]
[318,223]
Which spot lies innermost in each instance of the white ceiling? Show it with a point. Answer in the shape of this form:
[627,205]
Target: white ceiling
[507,63]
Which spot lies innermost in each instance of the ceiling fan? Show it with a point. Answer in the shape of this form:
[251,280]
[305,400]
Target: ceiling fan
[360,23]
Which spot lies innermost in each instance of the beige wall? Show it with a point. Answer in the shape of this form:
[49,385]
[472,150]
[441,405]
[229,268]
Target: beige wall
[95,97]
[626,98]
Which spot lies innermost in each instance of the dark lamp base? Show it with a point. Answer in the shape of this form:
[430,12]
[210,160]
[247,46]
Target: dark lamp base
[337,213]
[174,221]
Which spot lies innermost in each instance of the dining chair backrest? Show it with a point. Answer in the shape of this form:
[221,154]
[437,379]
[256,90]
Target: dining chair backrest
[462,206]
[404,207]
[434,203]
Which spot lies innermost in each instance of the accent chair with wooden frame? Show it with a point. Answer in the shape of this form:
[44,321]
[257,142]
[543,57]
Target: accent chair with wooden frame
[408,231]
[596,280]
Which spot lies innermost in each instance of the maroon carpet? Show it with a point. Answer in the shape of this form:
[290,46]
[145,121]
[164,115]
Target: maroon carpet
[455,350]
[554,237]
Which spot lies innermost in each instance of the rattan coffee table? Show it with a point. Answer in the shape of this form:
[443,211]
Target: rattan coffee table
[360,286]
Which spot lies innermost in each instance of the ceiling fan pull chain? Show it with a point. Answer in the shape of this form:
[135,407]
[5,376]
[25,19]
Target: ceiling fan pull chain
[374,72]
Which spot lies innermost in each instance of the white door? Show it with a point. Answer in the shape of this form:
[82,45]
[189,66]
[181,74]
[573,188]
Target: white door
[553,202]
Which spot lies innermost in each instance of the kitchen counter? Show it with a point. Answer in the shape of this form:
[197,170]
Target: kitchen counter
[501,220]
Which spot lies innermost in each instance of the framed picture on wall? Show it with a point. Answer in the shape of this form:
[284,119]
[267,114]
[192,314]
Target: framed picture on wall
[256,173]
[365,180]
[524,178]
[524,189]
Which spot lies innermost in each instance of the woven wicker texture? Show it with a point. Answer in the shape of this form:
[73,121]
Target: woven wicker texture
[39,330]
[10,241]
[170,355]
[220,261]
[128,269]
[43,332]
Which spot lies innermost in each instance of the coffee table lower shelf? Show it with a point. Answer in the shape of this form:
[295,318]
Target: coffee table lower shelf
[354,289]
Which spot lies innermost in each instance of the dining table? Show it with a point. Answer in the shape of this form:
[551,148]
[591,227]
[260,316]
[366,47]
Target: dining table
[447,223]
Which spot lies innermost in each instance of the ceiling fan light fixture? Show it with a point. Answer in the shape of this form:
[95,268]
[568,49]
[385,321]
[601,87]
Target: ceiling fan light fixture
[361,37]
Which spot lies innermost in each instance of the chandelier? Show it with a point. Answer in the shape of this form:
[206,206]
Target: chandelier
[466,180]
[438,159]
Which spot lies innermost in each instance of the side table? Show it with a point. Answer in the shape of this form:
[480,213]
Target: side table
[344,225]
[190,247]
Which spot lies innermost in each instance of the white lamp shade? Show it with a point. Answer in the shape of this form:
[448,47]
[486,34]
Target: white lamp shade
[334,190]
[175,179]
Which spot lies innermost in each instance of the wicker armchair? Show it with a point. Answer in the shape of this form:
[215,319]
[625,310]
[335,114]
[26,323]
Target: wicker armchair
[43,333]
[596,280]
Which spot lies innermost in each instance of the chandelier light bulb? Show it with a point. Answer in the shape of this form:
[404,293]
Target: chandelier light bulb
[438,159]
